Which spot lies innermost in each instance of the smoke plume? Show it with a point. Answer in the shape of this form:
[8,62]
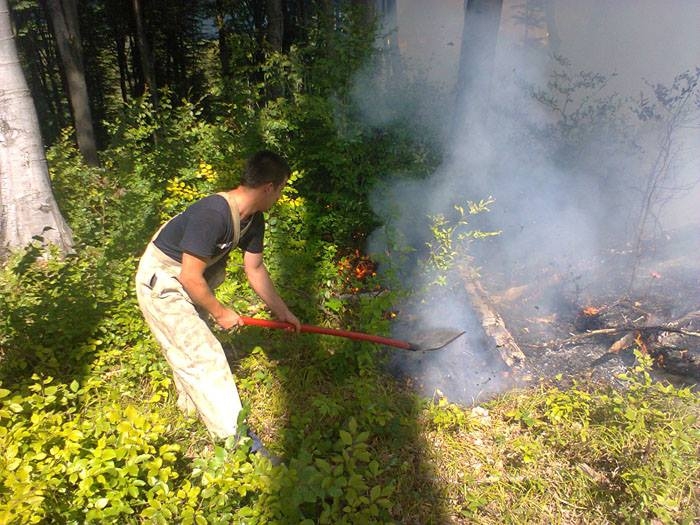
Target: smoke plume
[564,137]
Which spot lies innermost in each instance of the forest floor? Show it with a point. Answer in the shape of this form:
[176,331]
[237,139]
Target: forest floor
[582,323]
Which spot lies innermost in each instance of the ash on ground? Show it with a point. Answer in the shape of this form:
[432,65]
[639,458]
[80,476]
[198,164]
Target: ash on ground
[581,323]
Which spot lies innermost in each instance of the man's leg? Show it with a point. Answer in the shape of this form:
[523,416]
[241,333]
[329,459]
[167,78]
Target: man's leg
[196,357]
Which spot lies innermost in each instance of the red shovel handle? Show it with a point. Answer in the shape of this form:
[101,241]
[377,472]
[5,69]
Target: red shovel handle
[307,328]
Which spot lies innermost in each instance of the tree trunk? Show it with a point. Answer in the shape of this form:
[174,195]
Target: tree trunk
[274,37]
[390,43]
[479,38]
[149,73]
[123,67]
[27,204]
[53,72]
[275,24]
[138,83]
[64,21]
[224,47]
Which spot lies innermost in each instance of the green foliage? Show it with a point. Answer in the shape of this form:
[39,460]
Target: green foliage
[298,102]
[48,318]
[643,436]
[85,195]
[157,163]
[340,166]
[450,239]
[446,416]
[629,452]
[343,486]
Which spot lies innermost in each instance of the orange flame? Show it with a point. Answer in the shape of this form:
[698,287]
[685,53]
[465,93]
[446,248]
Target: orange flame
[358,265]
[640,342]
[590,311]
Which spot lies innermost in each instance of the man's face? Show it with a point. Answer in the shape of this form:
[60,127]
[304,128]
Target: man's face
[273,193]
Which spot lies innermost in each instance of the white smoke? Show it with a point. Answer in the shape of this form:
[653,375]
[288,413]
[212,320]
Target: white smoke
[558,202]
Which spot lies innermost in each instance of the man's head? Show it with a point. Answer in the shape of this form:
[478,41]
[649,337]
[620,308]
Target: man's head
[265,167]
[266,174]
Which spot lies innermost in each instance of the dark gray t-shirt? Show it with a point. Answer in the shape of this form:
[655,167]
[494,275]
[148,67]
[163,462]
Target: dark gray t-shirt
[205,229]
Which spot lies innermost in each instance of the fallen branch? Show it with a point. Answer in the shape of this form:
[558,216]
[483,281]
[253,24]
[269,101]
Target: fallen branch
[622,329]
[493,324]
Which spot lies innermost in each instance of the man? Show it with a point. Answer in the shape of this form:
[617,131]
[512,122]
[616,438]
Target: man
[183,264]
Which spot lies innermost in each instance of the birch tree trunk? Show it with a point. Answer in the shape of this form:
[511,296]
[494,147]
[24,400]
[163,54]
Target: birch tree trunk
[27,204]
[64,22]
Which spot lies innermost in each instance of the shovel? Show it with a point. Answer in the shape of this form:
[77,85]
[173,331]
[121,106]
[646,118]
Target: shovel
[357,336]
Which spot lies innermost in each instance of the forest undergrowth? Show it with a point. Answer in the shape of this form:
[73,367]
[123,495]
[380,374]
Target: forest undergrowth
[91,433]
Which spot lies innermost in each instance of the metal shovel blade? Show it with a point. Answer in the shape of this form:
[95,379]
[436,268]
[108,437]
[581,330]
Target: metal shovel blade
[435,341]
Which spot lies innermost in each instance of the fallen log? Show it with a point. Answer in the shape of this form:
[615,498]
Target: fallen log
[493,324]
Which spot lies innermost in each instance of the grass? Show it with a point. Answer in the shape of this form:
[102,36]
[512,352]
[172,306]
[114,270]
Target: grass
[584,454]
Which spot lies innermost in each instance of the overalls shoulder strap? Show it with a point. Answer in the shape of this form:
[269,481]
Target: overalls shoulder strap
[236,217]
[175,266]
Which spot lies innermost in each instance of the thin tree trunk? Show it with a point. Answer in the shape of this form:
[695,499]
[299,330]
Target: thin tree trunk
[51,65]
[64,20]
[224,48]
[149,73]
[389,28]
[275,24]
[656,181]
[27,205]
[274,36]
[479,38]
[303,16]
[258,12]
[138,82]
[123,66]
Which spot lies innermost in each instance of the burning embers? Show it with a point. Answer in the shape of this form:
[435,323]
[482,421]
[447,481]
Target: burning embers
[590,327]
[589,318]
[356,269]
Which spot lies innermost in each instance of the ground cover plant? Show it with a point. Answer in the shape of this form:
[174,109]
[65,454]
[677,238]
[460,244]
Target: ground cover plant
[104,442]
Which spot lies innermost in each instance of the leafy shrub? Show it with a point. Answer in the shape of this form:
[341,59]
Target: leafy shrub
[342,488]
[157,164]
[631,452]
[47,314]
[644,436]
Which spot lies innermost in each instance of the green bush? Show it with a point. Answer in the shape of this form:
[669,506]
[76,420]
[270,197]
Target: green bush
[631,452]
[52,306]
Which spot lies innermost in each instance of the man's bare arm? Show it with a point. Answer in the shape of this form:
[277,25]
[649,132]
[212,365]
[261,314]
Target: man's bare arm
[260,281]
[193,281]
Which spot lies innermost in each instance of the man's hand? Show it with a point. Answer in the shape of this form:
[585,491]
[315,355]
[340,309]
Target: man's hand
[289,317]
[228,319]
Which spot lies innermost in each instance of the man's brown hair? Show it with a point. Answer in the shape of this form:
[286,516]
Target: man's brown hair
[263,167]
